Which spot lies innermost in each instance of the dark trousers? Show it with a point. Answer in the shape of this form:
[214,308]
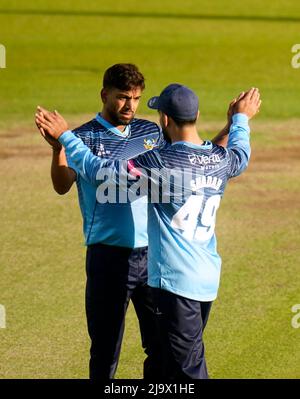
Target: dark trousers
[114,276]
[181,322]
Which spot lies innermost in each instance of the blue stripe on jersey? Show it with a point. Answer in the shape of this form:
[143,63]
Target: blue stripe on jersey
[123,225]
[183,254]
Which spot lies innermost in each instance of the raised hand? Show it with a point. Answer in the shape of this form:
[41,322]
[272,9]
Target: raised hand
[51,123]
[249,104]
[55,144]
[230,110]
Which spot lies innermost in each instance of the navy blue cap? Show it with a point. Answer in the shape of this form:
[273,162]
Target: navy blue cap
[176,101]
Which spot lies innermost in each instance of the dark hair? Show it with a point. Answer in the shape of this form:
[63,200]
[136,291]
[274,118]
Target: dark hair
[181,123]
[123,77]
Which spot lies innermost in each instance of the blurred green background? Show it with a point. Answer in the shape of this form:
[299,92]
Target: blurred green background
[57,52]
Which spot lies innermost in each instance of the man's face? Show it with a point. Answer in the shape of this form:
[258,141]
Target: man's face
[120,106]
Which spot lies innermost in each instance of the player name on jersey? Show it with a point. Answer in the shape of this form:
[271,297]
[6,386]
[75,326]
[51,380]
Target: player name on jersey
[206,182]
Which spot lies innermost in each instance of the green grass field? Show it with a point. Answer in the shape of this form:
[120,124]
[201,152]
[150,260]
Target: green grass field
[56,55]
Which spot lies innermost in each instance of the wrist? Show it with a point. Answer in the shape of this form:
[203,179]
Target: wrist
[226,128]
[57,149]
[240,117]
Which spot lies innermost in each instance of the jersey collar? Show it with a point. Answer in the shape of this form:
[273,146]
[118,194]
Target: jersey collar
[112,128]
[207,145]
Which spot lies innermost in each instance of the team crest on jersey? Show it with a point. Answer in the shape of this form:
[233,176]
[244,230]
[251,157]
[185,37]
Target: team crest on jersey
[149,143]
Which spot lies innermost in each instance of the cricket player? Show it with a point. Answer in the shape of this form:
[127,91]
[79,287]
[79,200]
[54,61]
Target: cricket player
[115,233]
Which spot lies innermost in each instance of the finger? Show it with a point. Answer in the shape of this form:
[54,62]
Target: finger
[59,117]
[45,122]
[37,123]
[240,96]
[41,130]
[47,129]
[249,93]
[50,116]
[254,94]
[258,107]
[256,99]
[47,114]
[40,117]
[41,109]
[42,125]
[39,120]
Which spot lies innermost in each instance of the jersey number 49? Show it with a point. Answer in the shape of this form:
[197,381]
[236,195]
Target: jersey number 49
[186,219]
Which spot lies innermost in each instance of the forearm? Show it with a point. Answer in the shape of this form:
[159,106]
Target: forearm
[239,144]
[61,175]
[239,135]
[222,137]
[86,164]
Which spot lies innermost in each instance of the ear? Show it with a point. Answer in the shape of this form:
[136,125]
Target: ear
[103,95]
[198,115]
[165,119]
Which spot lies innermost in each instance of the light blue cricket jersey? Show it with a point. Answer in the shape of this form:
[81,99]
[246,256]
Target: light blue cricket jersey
[123,225]
[185,183]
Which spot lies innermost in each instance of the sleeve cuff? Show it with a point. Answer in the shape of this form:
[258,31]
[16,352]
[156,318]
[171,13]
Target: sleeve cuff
[66,137]
[240,119]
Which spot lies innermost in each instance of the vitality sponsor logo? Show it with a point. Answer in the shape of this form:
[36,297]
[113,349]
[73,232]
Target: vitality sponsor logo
[204,159]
